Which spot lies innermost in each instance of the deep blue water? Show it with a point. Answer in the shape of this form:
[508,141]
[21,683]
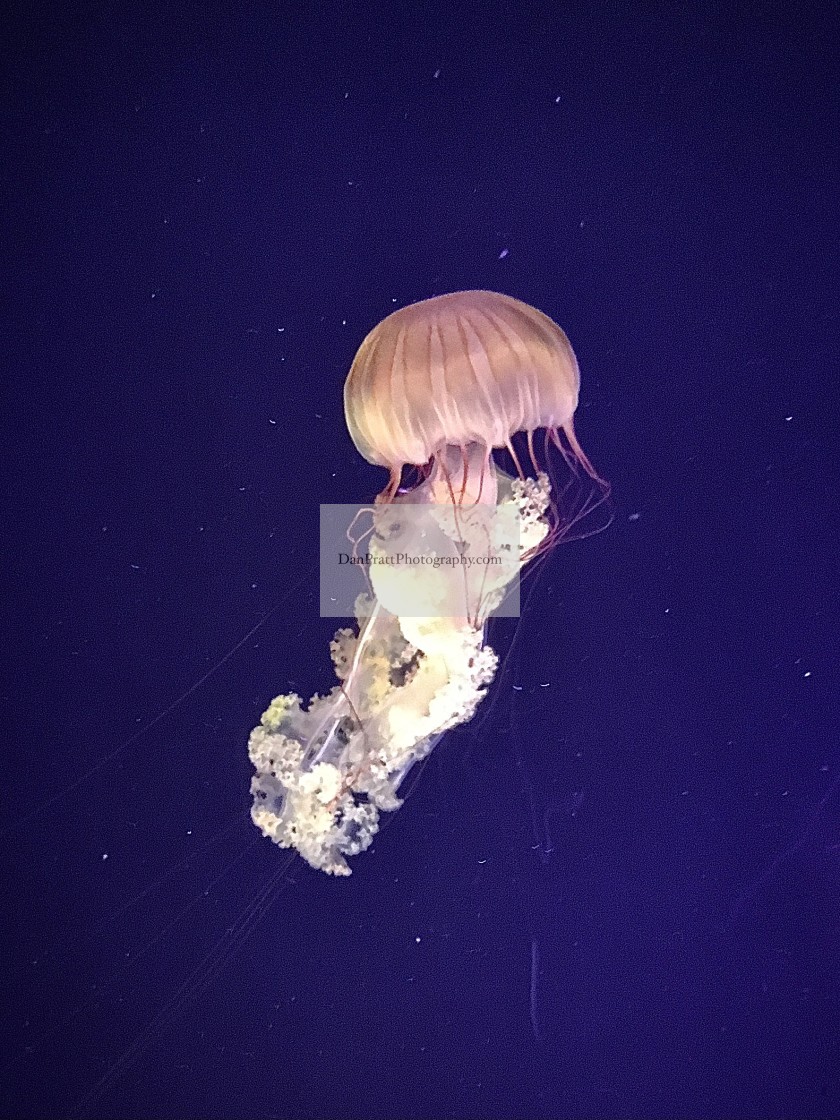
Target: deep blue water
[617,892]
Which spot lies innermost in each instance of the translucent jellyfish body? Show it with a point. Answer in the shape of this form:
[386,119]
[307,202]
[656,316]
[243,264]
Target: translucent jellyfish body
[437,386]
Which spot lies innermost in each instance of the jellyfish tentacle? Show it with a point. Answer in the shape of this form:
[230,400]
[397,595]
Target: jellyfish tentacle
[325,773]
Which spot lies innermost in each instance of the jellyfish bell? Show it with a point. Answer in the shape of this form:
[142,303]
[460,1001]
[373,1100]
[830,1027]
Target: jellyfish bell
[439,386]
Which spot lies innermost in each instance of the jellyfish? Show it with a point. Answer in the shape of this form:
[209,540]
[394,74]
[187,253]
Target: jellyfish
[440,388]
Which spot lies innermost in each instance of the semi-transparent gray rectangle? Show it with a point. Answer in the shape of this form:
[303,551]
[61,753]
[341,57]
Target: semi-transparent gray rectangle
[421,560]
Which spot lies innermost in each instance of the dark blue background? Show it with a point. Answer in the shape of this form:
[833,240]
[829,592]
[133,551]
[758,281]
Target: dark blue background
[616,894]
